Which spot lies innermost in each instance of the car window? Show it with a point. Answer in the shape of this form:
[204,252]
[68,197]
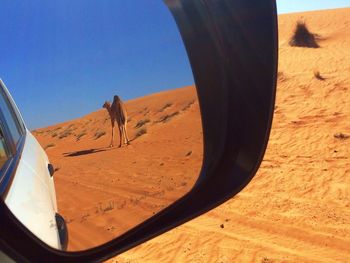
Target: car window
[3,152]
[10,118]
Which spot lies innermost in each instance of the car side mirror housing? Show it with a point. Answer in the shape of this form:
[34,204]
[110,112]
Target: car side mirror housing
[233,50]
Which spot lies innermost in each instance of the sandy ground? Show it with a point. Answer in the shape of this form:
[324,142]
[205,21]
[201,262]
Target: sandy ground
[296,209]
[102,192]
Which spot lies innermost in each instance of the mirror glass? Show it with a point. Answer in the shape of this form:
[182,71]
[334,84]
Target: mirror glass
[106,89]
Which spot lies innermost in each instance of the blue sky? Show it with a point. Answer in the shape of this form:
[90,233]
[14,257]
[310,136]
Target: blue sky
[63,59]
[291,6]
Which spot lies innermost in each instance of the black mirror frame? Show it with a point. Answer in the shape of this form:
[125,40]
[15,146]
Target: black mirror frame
[233,50]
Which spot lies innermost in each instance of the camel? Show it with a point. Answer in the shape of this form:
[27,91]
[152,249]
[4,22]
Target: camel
[117,112]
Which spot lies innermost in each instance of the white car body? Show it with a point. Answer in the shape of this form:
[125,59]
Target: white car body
[31,197]
[31,193]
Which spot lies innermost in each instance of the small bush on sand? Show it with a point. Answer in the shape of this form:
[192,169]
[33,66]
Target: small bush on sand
[65,134]
[266,260]
[165,106]
[318,76]
[281,76]
[167,117]
[36,132]
[302,37]
[141,123]
[80,135]
[188,105]
[341,136]
[49,146]
[99,134]
[140,132]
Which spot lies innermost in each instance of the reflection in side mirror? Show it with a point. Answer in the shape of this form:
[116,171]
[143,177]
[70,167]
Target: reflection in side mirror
[114,106]
[103,190]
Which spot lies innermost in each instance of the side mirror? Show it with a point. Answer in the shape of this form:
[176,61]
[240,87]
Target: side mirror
[232,48]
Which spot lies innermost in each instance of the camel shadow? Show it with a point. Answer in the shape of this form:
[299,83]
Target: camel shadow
[85,152]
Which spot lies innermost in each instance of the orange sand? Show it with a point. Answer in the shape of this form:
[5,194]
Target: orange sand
[103,192]
[296,209]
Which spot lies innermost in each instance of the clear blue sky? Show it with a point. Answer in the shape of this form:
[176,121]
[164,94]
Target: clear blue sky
[291,6]
[63,59]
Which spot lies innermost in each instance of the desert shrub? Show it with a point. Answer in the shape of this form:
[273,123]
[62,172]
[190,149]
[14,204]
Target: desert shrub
[49,146]
[145,109]
[266,260]
[165,106]
[281,76]
[36,132]
[99,134]
[188,105]
[65,134]
[302,37]
[55,134]
[167,117]
[80,135]
[141,132]
[141,123]
[318,76]
[341,136]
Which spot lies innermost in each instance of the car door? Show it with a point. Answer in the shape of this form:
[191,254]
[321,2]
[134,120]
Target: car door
[26,184]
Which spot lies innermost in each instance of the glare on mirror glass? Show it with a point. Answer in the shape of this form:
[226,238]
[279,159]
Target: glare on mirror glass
[108,92]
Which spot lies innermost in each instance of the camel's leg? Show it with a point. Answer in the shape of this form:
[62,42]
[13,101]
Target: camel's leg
[120,136]
[123,132]
[112,139]
[127,141]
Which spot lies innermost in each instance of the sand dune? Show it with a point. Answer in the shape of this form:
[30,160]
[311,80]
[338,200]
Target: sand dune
[297,208]
[102,192]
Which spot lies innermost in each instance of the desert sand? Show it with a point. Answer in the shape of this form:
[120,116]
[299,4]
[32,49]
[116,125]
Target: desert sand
[102,192]
[296,209]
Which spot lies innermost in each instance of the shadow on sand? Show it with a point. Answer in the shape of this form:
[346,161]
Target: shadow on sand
[85,152]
